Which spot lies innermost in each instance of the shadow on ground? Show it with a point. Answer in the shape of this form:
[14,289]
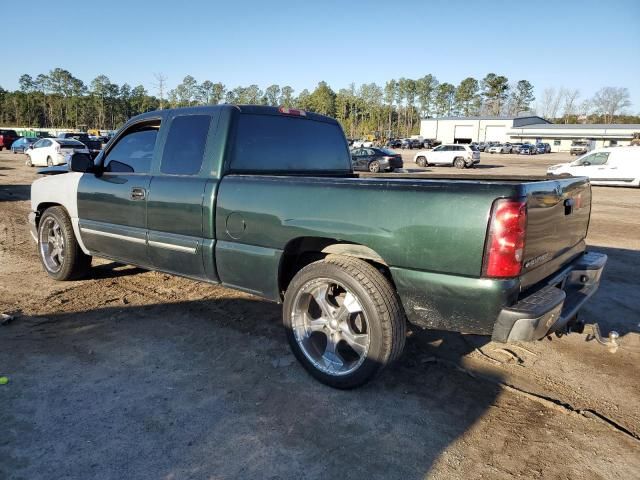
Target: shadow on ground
[618,292]
[209,389]
[14,193]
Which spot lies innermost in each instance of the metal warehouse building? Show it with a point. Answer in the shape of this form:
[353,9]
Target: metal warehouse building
[529,128]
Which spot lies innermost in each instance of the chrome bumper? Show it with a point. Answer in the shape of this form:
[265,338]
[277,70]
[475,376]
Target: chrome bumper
[551,307]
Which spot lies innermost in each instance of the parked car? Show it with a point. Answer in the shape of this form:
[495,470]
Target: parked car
[351,266]
[362,143]
[605,166]
[375,160]
[394,143]
[528,149]
[22,144]
[543,148]
[7,137]
[405,143]
[53,151]
[500,148]
[459,156]
[580,147]
[93,144]
[515,147]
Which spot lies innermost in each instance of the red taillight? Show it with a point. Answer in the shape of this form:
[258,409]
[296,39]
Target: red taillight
[505,243]
[292,111]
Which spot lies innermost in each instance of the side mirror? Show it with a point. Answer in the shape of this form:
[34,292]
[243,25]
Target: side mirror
[30,146]
[81,162]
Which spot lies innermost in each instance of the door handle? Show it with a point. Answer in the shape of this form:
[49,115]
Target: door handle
[138,193]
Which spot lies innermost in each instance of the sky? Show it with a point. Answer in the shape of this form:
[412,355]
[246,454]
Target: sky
[574,44]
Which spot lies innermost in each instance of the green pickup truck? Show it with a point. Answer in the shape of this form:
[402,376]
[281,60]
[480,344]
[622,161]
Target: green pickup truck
[264,200]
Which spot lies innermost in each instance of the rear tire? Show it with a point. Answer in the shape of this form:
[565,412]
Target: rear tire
[58,249]
[374,167]
[459,163]
[49,162]
[321,332]
[421,161]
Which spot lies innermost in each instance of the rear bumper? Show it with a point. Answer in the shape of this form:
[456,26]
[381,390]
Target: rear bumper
[551,307]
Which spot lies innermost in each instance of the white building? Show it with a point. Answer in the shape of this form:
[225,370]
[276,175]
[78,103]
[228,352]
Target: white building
[560,136]
[474,129]
[529,128]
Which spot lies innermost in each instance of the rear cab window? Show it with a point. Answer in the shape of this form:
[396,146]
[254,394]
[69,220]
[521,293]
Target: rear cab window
[286,144]
[184,149]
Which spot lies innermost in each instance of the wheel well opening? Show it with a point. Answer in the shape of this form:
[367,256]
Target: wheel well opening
[42,207]
[300,252]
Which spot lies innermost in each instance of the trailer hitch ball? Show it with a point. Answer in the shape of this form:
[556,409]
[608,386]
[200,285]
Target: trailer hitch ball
[611,342]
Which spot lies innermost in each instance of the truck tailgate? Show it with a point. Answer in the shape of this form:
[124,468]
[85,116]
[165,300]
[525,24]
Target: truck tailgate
[558,215]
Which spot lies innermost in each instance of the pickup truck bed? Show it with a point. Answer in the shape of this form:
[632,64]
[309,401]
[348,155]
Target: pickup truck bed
[264,200]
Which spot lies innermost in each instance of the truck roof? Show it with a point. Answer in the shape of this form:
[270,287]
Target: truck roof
[254,109]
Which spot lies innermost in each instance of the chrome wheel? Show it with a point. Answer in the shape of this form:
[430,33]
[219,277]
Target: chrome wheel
[330,327]
[52,244]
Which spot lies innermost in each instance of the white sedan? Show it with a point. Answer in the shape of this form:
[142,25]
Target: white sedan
[53,151]
[500,149]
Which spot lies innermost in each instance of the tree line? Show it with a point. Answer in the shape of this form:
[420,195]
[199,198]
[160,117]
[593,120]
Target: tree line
[59,99]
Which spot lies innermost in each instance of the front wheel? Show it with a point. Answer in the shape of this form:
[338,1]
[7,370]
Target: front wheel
[59,252]
[421,161]
[29,162]
[343,320]
[374,167]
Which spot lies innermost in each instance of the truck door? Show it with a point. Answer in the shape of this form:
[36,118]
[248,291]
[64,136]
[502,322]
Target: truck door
[175,208]
[112,206]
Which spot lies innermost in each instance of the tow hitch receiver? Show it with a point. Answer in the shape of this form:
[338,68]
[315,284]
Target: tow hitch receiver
[593,333]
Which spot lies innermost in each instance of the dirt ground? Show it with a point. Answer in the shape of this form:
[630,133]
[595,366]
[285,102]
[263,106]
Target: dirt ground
[135,374]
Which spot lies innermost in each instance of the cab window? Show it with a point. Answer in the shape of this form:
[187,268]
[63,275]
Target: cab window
[134,150]
[184,150]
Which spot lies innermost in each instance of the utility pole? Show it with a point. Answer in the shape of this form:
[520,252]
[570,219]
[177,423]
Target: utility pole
[160,85]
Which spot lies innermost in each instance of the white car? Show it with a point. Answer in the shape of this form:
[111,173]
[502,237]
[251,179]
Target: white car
[459,156]
[502,148]
[362,144]
[53,151]
[605,166]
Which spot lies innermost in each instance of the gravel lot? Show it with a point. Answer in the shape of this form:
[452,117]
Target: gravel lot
[135,374]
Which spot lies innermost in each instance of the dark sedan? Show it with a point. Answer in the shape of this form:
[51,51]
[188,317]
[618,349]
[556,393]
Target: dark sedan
[528,149]
[22,144]
[394,143]
[543,148]
[375,160]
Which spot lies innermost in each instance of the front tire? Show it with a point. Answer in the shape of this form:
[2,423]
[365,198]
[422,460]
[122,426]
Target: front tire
[343,321]
[58,249]
[29,162]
